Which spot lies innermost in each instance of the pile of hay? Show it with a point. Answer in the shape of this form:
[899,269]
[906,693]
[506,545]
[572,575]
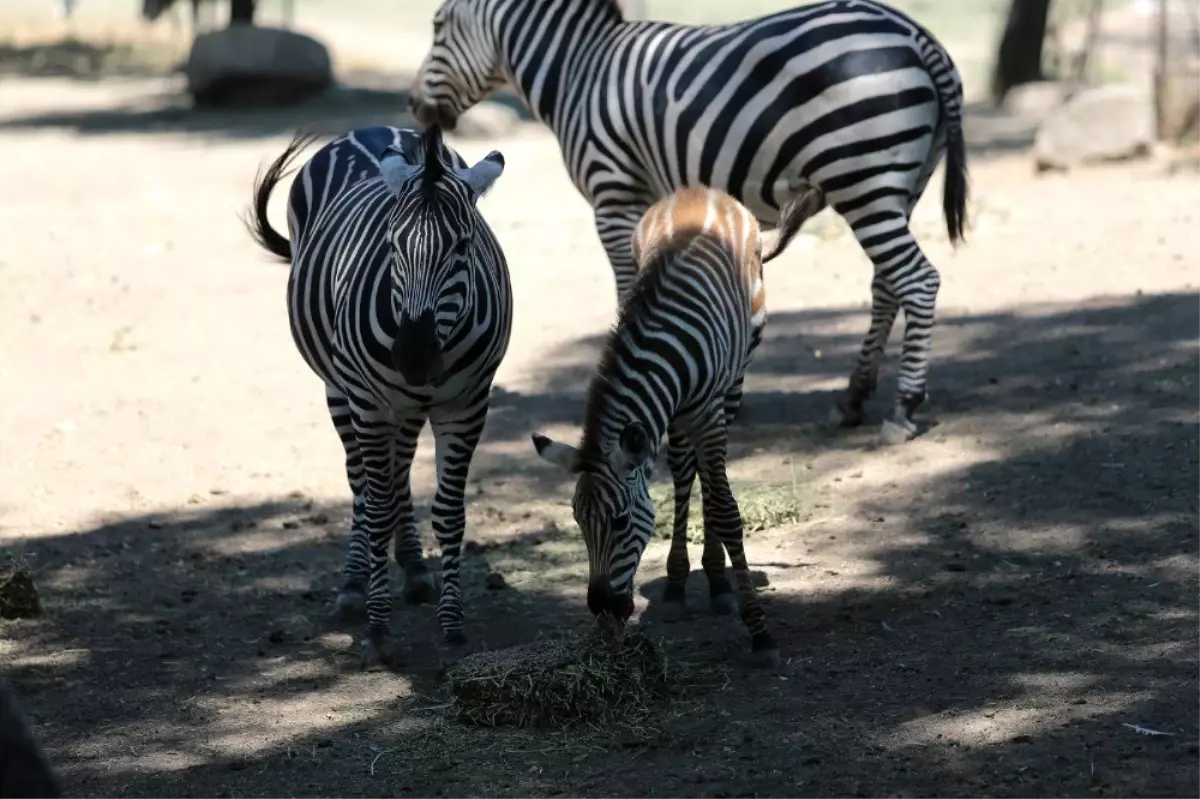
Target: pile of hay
[18,595]
[608,674]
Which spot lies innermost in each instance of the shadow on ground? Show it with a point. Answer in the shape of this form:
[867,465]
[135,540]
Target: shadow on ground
[1021,622]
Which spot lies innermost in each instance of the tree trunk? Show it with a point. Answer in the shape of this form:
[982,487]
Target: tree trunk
[241,12]
[1019,57]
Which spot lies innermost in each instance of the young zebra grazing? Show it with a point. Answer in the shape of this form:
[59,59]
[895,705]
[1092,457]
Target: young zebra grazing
[399,299]
[849,96]
[674,365]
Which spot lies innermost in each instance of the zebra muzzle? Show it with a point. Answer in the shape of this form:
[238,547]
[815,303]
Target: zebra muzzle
[602,599]
[417,353]
[430,114]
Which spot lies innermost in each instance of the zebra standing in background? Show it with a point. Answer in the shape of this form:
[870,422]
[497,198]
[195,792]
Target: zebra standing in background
[851,97]
[399,299]
[673,366]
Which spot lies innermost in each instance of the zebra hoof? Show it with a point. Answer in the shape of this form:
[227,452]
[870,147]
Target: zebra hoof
[765,653]
[350,606]
[419,588]
[841,415]
[725,604]
[379,649]
[672,610]
[893,433]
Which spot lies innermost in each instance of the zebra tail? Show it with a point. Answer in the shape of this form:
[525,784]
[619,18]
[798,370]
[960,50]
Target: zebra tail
[792,217]
[256,220]
[954,187]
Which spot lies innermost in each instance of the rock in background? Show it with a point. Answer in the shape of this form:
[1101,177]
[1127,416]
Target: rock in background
[1098,124]
[252,66]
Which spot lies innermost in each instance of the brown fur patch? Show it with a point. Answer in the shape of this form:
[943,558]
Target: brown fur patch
[679,218]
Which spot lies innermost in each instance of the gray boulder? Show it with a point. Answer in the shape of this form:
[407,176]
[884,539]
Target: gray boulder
[1101,123]
[248,65]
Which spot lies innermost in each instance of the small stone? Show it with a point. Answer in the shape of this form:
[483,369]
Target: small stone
[495,581]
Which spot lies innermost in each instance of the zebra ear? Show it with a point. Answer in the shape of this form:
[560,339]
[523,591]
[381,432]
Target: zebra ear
[563,455]
[395,169]
[481,176]
[634,446]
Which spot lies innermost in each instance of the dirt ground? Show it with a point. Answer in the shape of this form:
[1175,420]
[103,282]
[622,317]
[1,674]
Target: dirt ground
[1006,606]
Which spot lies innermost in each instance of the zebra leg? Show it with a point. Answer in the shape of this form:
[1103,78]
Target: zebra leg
[457,434]
[376,435]
[849,410]
[351,603]
[615,225]
[913,282]
[681,459]
[723,522]
[418,582]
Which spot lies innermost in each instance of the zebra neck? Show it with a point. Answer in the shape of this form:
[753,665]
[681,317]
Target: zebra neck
[632,384]
[546,48]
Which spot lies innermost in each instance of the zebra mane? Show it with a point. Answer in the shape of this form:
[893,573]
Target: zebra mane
[640,297]
[435,169]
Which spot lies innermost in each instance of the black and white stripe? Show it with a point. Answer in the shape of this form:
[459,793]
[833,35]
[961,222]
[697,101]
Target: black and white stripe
[850,97]
[399,299]
[673,366]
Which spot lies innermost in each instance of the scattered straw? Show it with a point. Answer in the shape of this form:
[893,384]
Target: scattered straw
[608,674]
[18,594]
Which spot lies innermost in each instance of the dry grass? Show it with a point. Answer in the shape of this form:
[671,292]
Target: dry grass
[607,674]
[763,507]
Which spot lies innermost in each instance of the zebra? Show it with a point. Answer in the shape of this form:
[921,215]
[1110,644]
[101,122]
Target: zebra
[24,769]
[851,97]
[399,299]
[673,365]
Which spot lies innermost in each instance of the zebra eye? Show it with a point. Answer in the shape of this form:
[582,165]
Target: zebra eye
[620,521]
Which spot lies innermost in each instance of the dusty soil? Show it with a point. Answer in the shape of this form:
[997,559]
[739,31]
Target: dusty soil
[1005,606]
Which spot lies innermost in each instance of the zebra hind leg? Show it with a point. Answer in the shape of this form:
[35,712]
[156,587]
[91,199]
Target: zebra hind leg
[723,522]
[681,459]
[419,587]
[849,410]
[456,435]
[913,282]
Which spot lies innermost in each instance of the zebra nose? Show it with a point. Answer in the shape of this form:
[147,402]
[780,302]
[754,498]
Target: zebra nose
[416,351]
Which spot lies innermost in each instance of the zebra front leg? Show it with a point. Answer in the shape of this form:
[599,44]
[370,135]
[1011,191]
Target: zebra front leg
[615,225]
[351,602]
[849,411]
[723,522]
[419,587]
[381,511]
[681,459]
[456,434]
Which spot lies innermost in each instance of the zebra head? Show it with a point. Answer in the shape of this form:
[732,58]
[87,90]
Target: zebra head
[460,69]
[612,507]
[432,238]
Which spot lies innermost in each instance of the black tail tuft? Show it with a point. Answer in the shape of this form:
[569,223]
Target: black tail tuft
[792,217]
[955,190]
[255,219]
